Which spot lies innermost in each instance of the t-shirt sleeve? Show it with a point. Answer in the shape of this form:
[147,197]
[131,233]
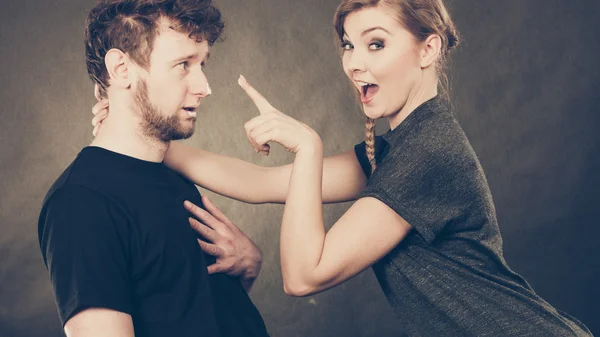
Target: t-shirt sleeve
[85,249]
[361,154]
[429,185]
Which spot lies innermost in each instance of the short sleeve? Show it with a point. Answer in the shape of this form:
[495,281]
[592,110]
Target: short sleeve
[430,183]
[360,150]
[85,247]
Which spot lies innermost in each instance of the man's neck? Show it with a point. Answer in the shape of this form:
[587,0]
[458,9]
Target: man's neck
[121,132]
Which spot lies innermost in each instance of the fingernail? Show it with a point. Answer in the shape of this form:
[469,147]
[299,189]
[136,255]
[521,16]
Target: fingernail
[242,80]
[187,204]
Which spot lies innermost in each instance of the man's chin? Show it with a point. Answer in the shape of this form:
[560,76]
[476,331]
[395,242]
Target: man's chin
[184,132]
[189,128]
[166,130]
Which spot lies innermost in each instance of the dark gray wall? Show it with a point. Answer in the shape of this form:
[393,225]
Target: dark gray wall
[525,88]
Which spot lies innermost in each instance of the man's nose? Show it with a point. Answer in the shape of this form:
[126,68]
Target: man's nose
[199,85]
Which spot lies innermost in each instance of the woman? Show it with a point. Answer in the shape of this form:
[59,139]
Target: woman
[423,216]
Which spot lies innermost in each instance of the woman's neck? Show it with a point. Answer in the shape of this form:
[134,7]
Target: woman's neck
[421,93]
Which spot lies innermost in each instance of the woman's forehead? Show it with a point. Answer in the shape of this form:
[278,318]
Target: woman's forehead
[376,16]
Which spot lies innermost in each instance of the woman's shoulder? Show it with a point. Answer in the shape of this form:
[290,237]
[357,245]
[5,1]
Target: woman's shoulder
[436,149]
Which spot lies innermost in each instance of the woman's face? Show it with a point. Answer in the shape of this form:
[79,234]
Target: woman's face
[381,58]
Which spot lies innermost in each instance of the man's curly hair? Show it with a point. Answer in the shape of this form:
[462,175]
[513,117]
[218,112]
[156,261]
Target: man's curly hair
[132,25]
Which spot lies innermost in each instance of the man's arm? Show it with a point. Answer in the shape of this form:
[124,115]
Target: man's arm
[82,241]
[99,322]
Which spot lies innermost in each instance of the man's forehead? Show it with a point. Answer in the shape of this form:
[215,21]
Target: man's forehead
[164,24]
[172,43]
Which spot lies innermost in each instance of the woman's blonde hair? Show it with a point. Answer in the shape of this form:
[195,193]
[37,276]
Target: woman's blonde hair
[421,18]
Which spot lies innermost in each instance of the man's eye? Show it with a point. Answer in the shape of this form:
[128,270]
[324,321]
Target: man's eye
[182,65]
[346,46]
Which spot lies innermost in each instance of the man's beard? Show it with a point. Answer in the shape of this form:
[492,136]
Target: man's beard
[154,124]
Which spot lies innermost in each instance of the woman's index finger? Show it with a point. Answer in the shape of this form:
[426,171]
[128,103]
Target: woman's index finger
[261,103]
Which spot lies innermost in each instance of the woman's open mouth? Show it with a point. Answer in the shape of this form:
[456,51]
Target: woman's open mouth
[368,92]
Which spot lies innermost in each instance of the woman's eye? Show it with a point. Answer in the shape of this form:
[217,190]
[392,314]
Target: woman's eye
[346,46]
[376,45]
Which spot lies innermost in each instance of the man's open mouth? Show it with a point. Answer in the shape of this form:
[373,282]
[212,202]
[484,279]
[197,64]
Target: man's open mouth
[191,110]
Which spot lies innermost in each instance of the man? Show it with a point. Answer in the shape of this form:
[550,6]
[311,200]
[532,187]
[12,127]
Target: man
[117,241]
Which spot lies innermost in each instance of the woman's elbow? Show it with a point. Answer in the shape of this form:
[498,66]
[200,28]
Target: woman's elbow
[305,287]
[298,289]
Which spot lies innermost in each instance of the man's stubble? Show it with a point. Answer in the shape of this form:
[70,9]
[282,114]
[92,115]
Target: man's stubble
[154,124]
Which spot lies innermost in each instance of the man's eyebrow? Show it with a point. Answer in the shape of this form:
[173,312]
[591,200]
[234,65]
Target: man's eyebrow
[191,56]
[366,31]
[186,57]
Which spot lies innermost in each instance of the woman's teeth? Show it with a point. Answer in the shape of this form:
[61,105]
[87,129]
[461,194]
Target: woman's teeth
[368,92]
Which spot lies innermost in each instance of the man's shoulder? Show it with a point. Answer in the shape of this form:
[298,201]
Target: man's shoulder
[73,197]
[75,175]
[179,181]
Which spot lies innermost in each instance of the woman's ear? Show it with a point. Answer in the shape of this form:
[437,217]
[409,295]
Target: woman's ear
[432,48]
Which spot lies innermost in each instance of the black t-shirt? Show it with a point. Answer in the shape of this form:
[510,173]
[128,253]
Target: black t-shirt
[448,277]
[114,234]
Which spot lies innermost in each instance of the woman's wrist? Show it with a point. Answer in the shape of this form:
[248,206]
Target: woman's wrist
[313,146]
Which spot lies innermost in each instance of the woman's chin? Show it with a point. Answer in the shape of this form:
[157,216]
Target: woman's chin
[372,112]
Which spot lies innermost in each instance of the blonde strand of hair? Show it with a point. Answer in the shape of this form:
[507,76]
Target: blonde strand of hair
[370,142]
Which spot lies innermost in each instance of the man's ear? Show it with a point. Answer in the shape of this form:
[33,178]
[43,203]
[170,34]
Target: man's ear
[431,50]
[120,68]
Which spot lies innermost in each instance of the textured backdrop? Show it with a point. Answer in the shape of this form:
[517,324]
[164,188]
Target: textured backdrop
[524,84]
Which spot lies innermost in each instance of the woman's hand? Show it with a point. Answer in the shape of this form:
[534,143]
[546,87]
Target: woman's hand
[274,126]
[236,254]
[100,111]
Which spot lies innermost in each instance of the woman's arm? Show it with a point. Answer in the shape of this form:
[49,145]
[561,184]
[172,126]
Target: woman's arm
[312,260]
[234,178]
[343,177]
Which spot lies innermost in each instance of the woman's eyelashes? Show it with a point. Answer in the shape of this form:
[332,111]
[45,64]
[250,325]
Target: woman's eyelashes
[374,45]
